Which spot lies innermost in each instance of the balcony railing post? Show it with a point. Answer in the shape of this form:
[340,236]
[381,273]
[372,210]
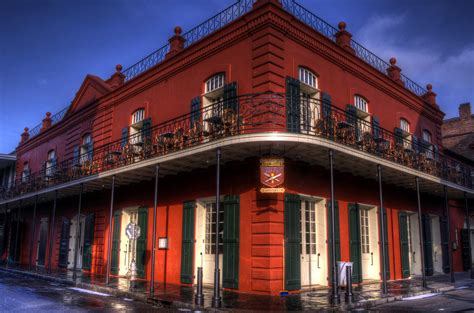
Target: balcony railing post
[78,233]
[448,229]
[382,232]
[51,232]
[153,243]
[109,239]
[32,237]
[420,233]
[335,298]
[468,226]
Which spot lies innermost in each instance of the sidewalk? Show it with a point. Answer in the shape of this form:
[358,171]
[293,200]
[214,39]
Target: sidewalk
[176,296]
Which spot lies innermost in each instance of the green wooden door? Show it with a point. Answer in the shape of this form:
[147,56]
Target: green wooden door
[427,244]
[231,235]
[142,241]
[187,247]
[443,225]
[354,242]
[465,249]
[404,244]
[337,235]
[387,260]
[64,243]
[88,241]
[292,242]
[114,262]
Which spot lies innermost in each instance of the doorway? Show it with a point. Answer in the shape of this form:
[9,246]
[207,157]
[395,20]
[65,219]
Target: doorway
[42,242]
[127,247]
[414,244]
[369,242]
[437,248]
[313,242]
[76,241]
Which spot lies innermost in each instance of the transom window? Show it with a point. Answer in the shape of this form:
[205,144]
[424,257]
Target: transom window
[364,231]
[404,125]
[307,77]
[361,104]
[138,116]
[215,82]
[427,136]
[211,217]
[308,227]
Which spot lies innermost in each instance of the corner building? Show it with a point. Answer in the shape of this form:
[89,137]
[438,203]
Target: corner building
[261,79]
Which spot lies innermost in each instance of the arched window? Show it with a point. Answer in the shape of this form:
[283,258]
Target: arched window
[307,77]
[214,83]
[138,116]
[404,125]
[361,103]
[51,163]
[25,175]
[86,148]
[427,136]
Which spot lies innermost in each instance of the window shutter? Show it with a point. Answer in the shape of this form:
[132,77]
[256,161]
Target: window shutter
[337,233]
[376,127]
[114,262]
[88,241]
[327,106]
[64,243]
[146,130]
[415,144]
[443,225]
[398,136]
[43,237]
[385,226]
[404,251]
[231,236]
[141,241]
[124,137]
[54,165]
[195,110]
[351,118]
[292,235]
[75,155]
[90,151]
[293,105]
[230,96]
[465,249]
[187,246]
[354,242]
[428,244]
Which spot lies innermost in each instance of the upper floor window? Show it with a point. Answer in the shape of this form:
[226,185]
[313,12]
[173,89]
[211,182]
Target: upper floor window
[138,116]
[404,125]
[86,148]
[307,77]
[427,136]
[51,163]
[26,172]
[214,83]
[361,103]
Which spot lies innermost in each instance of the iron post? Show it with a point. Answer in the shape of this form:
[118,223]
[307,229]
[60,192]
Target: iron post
[199,296]
[420,230]
[349,293]
[109,239]
[216,299]
[153,243]
[382,232]
[335,298]
[448,229]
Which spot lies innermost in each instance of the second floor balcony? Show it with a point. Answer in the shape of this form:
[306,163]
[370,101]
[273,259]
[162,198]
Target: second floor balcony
[257,118]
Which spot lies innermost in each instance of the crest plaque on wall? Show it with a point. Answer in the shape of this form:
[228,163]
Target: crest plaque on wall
[272,175]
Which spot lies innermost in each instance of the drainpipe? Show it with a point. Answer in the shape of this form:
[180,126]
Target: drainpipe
[109,251]
[382,232]
[420,231]
[153,244]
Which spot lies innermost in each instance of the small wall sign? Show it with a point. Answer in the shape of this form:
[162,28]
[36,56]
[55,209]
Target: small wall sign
[162,243]
[272,175]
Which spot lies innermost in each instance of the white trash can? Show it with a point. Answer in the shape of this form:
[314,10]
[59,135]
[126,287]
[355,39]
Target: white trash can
[341,270]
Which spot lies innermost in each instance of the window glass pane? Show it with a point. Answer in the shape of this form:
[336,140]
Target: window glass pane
[215,82]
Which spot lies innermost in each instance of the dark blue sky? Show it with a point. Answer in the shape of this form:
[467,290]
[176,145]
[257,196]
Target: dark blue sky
[48,46]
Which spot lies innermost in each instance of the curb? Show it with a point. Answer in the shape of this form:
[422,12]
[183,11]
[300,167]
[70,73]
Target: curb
[162,302]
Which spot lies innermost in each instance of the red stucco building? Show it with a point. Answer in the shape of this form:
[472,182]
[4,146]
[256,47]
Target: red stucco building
[262,79]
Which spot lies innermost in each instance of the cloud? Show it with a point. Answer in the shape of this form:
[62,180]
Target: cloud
[423,61]
[42,82]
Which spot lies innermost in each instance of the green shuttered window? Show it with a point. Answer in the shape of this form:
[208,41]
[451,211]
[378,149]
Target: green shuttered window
[187,247]
[292,242]
[142,241]
[231,242]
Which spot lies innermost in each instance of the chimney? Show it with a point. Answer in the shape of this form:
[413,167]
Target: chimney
[117,79]
[176,42]
[465,111]
[343,38]
[393,71]
[46,121]
[430,96]
[25,135]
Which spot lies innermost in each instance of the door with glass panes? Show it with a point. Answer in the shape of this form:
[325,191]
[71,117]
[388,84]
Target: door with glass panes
[206,238]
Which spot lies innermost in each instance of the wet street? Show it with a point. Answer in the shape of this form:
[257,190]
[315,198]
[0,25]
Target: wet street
[22,294]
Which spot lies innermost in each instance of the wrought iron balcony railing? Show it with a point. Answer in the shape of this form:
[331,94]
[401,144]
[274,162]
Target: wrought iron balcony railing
[250,114]
[56,118]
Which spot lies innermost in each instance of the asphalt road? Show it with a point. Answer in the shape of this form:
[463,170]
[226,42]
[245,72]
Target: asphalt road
[20,294]
[459,300]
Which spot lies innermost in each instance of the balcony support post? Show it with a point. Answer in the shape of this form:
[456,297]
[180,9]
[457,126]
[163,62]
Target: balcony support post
[78,233]
[32,237]
[153,243]
[448,229]
[216,298]
[420,232]
[51,232]
[382,232]
[109,239]
[468,226]
[334,297]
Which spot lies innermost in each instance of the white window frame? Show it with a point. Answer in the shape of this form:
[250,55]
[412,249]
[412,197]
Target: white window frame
[138,116]
[364,231]
[214,83]
[361,103]
[25,174]
[309,227]
[210,220]
[49,162]
[405,125]
[307,77]
[135,129]
[86,141]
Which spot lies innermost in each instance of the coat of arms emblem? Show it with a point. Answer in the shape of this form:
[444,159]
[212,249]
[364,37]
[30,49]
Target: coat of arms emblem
[272,174]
